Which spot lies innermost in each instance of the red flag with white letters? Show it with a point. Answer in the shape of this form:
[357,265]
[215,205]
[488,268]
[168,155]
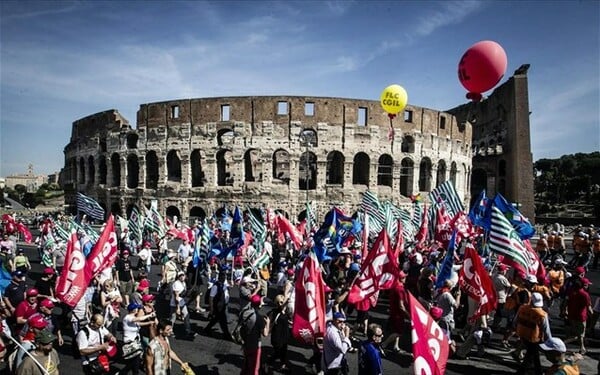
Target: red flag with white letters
[476,281]
[430,344]
[309,309]
[104,253]
[378,271]
[72,283]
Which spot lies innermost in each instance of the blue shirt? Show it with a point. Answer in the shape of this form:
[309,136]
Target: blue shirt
[369,359]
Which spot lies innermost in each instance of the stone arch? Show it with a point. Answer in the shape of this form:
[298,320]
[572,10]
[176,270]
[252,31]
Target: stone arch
[82,170]
[441,173]
[407,170]
[453,172]
[225,137]
[173,211]
[408,144]
[308,138]
[151,170]
[224,172]
[133,171]
[425,174]
[198,177]
[252,165]
[361,169]
[335,168]
[132,140]
[73,167]
[308,171]
[385,168]
[116,170]
[91,170]
[482,149]
[492,147]
[197,213]
[173,166]
[281,165]
[102,170]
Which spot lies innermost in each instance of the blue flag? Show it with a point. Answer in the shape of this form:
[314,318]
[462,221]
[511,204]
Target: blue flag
[446,268]
[5,277]
[481,213]
[519,222]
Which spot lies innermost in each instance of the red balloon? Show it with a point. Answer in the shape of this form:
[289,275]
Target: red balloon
[482,67]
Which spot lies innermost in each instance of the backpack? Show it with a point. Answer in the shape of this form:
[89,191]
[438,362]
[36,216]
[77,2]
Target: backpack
[240,331]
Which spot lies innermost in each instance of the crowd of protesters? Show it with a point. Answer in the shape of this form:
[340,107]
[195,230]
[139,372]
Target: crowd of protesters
[123,317]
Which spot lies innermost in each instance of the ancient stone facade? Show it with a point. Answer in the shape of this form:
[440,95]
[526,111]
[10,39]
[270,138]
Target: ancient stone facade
[194,156]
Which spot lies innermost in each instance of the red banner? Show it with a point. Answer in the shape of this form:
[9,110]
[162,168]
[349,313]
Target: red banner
[421,236]
[430,344]
[24,231]
[104,253]
[284,226]
[474,279]
[378,271]
[309,310]
[463,226]
[72,283]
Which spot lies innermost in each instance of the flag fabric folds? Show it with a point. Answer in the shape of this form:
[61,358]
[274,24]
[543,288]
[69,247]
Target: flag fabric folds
[521,224]
[135,225]
[89,206]
[72,282]
[476,281]
[445,272]
[104,253]
[430,344]
[447,193]
[154,222]
[22,228]
[309,307]
[480,212]
[504,240]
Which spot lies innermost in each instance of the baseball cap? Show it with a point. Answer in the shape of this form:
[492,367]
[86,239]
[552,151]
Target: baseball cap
[532,279]
[143,284]
[537,300]
[18,274]
[32,292]
[148,298]
[48,271]
[339,316]
[47,303]
[436,312]
[44,337]
[180,273]
[579,270]
[554,343]
[133,306]
[37,321]
[327,289]
[125,252]
[256,300]
[290,272]
[146,244]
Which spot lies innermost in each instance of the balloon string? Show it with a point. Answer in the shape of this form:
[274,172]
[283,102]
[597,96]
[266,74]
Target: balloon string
[391,132]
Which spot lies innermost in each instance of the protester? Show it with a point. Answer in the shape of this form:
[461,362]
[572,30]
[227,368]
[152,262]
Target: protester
[159,353]
[145,257]
[254,327]
[132,344]
[218,302]
[124,276]
[554,350]
[21,261]
[110,302]
[280,333]
[369,355]
[43,354]
[179,307]
[93,340]
[335,346]
[532,327]
[46,283]
[398,313]
[579,308]
[15,291]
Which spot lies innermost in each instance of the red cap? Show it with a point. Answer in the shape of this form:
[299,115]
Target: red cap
[328,289]
[580,270]
[256,300]
[436,312]
[37,321]
[147,298]
[48,271]
[143,284]
[586,281]
[32,292]
[146,244]
[290,272]
[47,303]
[125,252]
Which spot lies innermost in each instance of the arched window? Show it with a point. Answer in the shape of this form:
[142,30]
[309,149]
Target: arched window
[502,168]
[478,181]
[281,166]
[197,213]
[102,169]
[425,175]
[252,166]
[453,172]
[308,138]
[132,140]
[224,171]
[225,137]
[502,186]
[308,171]
[116,170]
[73,167]
[133,172]
[173,214]
[115,209]
[91,170]
[151,170]
[408,144]
[441,173]
[82,170]
[361,169]
[335,168]
[384,170]
[173,167]
[198,177]
[407,167]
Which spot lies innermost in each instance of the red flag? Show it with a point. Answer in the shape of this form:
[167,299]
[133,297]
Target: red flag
[309,310]
[536,266]
[105,252]
[9,223]
[365,237]
[399,246]
[72,282]
[443,230]
[284,226]
[270,219]
[464,227]
[378,271]
[424,230]
[430,344]
[24,231]
[474,279]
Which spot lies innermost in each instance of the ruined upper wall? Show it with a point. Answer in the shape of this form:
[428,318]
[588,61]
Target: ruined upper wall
[98,123]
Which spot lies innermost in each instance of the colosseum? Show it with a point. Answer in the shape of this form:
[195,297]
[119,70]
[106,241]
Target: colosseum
[191,157]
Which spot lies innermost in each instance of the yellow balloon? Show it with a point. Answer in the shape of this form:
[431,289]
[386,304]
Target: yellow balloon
[393,99]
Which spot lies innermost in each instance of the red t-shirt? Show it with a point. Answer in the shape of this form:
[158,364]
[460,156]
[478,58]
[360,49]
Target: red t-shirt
[577,306]
[25,310]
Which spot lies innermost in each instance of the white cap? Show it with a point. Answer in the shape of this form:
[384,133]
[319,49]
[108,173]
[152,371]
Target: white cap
[537,300]
[418,258]
[554,343]
[532,279]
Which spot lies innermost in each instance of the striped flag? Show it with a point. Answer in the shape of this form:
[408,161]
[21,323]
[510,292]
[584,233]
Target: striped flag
[201,246]
[311,219]
[372,208]
[258,229]
[89,206]
[135,225]
[154,222]
[447,193]
[61,232]
[504,240]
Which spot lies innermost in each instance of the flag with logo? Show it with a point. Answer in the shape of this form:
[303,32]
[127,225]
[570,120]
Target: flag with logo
[309,308]
[105,251]
[72,282]
[89,206]
[135,225]
[521,224]
[22,228]
[504,240]
[476,281]
[447,193]
[430,343]
[155,223]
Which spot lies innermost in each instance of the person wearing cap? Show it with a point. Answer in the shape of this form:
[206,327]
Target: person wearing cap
[93,340]
[279,329]
[369,355]
[217,306]
[336,344]
[579,308]
[179,307]
[570,286]
[255,326]
[124,276]
[43,354]
[34,325]
[132,345]
[249,287]
[21,261]
[26,308]
[141,290]
[555,351]
[184,253]
[15,291]
[503,288]
[542,245]
[45,284]
[169,268]
[532,327]
[148,332]
[44,312]
[448,302]
[110,301]
[289,291]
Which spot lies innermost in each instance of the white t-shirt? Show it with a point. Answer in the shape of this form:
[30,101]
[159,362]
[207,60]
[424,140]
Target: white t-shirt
[130,328]
[145,255]
[178,286]
[89,339]
[184,251]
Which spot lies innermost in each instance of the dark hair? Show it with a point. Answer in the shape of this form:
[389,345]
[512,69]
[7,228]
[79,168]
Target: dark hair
[164,323]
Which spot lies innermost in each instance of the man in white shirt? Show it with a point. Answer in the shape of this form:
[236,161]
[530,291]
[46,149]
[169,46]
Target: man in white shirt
[184,253]
[179,304]
[335,345]
[145,256]
[93,340]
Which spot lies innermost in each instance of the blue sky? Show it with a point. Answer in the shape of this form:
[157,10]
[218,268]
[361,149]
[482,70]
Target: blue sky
[61,61]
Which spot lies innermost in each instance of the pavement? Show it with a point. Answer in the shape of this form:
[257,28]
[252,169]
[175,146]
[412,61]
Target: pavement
[214,355]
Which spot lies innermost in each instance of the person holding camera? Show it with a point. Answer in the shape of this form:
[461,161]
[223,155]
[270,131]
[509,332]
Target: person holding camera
[335,346]
[132,343]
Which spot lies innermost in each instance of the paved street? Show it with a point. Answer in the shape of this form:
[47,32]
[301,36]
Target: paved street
[212,355]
